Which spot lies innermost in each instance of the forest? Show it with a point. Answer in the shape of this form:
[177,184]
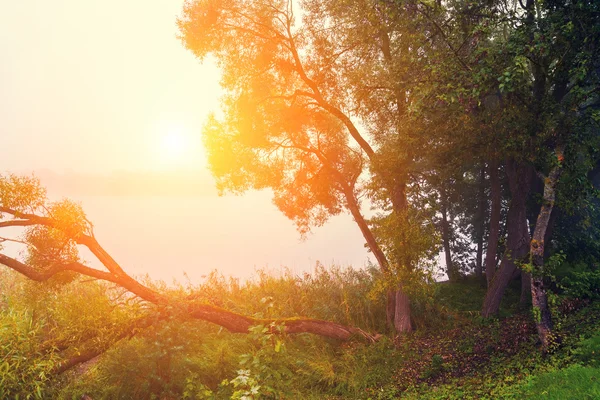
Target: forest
[462,136]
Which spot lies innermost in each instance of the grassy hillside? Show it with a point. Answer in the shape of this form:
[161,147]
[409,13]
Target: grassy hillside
[454,355]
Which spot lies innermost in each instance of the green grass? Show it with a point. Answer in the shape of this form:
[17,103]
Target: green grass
[574,382]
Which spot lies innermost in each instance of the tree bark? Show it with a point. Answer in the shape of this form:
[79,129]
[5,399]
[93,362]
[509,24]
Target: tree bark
[402,312]
[539,298]
[232,321]
[517,243]
[480,223]
[494,235]
[354,208]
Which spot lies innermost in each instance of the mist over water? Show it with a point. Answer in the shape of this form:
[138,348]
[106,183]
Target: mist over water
[167,236]
[181,225]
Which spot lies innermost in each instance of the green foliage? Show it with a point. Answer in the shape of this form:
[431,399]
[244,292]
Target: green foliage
[435,367]
[466,297]
[25,370]
[42,324]
[581,281]
[261,372]
[178,358]
[588,351]
[21,193]
[521,372]
[335,294]
[400,102]
[572,383]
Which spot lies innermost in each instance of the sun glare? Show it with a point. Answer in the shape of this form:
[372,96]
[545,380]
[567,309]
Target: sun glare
[174,144]
[176,147]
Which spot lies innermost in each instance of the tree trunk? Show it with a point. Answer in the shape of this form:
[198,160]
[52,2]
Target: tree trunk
[365,230]
[229,320]
[114,273]
[402,315]
[400,308]
[539,299]
[401,303]
[451,270]
[517,243]
[492,247]
[480,224]
[541,312]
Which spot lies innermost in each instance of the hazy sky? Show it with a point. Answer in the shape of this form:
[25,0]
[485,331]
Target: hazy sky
[96,85]
[102,101]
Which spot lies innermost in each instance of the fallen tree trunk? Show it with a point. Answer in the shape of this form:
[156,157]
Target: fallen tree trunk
[232,321]
[228,319]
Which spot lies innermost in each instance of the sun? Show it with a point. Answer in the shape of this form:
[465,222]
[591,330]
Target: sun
[174,144]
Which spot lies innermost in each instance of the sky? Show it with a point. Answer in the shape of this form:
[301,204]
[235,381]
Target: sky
[101,101]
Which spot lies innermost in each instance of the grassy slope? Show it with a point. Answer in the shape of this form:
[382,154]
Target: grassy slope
[471,358]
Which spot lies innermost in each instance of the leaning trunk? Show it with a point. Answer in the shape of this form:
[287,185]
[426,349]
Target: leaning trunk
[366,231]
[539,299]
[517,243]
[492,247]
[401,303]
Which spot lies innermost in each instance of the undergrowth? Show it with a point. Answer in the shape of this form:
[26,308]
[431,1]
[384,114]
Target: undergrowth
[458,356]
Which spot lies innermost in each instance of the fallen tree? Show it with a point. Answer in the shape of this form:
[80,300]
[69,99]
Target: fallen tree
[54,230]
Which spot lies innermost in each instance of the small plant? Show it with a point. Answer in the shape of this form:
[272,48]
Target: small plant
[260,375]
[435,368]
[195,390]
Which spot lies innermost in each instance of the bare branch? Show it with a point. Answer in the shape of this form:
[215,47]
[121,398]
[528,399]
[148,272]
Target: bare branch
[17,222]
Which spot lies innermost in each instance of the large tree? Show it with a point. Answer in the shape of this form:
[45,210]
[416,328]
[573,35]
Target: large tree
[317,112]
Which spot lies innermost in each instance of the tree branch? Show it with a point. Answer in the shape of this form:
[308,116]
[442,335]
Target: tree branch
[232,321]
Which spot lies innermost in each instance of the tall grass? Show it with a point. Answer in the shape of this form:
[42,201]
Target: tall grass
[178,358]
